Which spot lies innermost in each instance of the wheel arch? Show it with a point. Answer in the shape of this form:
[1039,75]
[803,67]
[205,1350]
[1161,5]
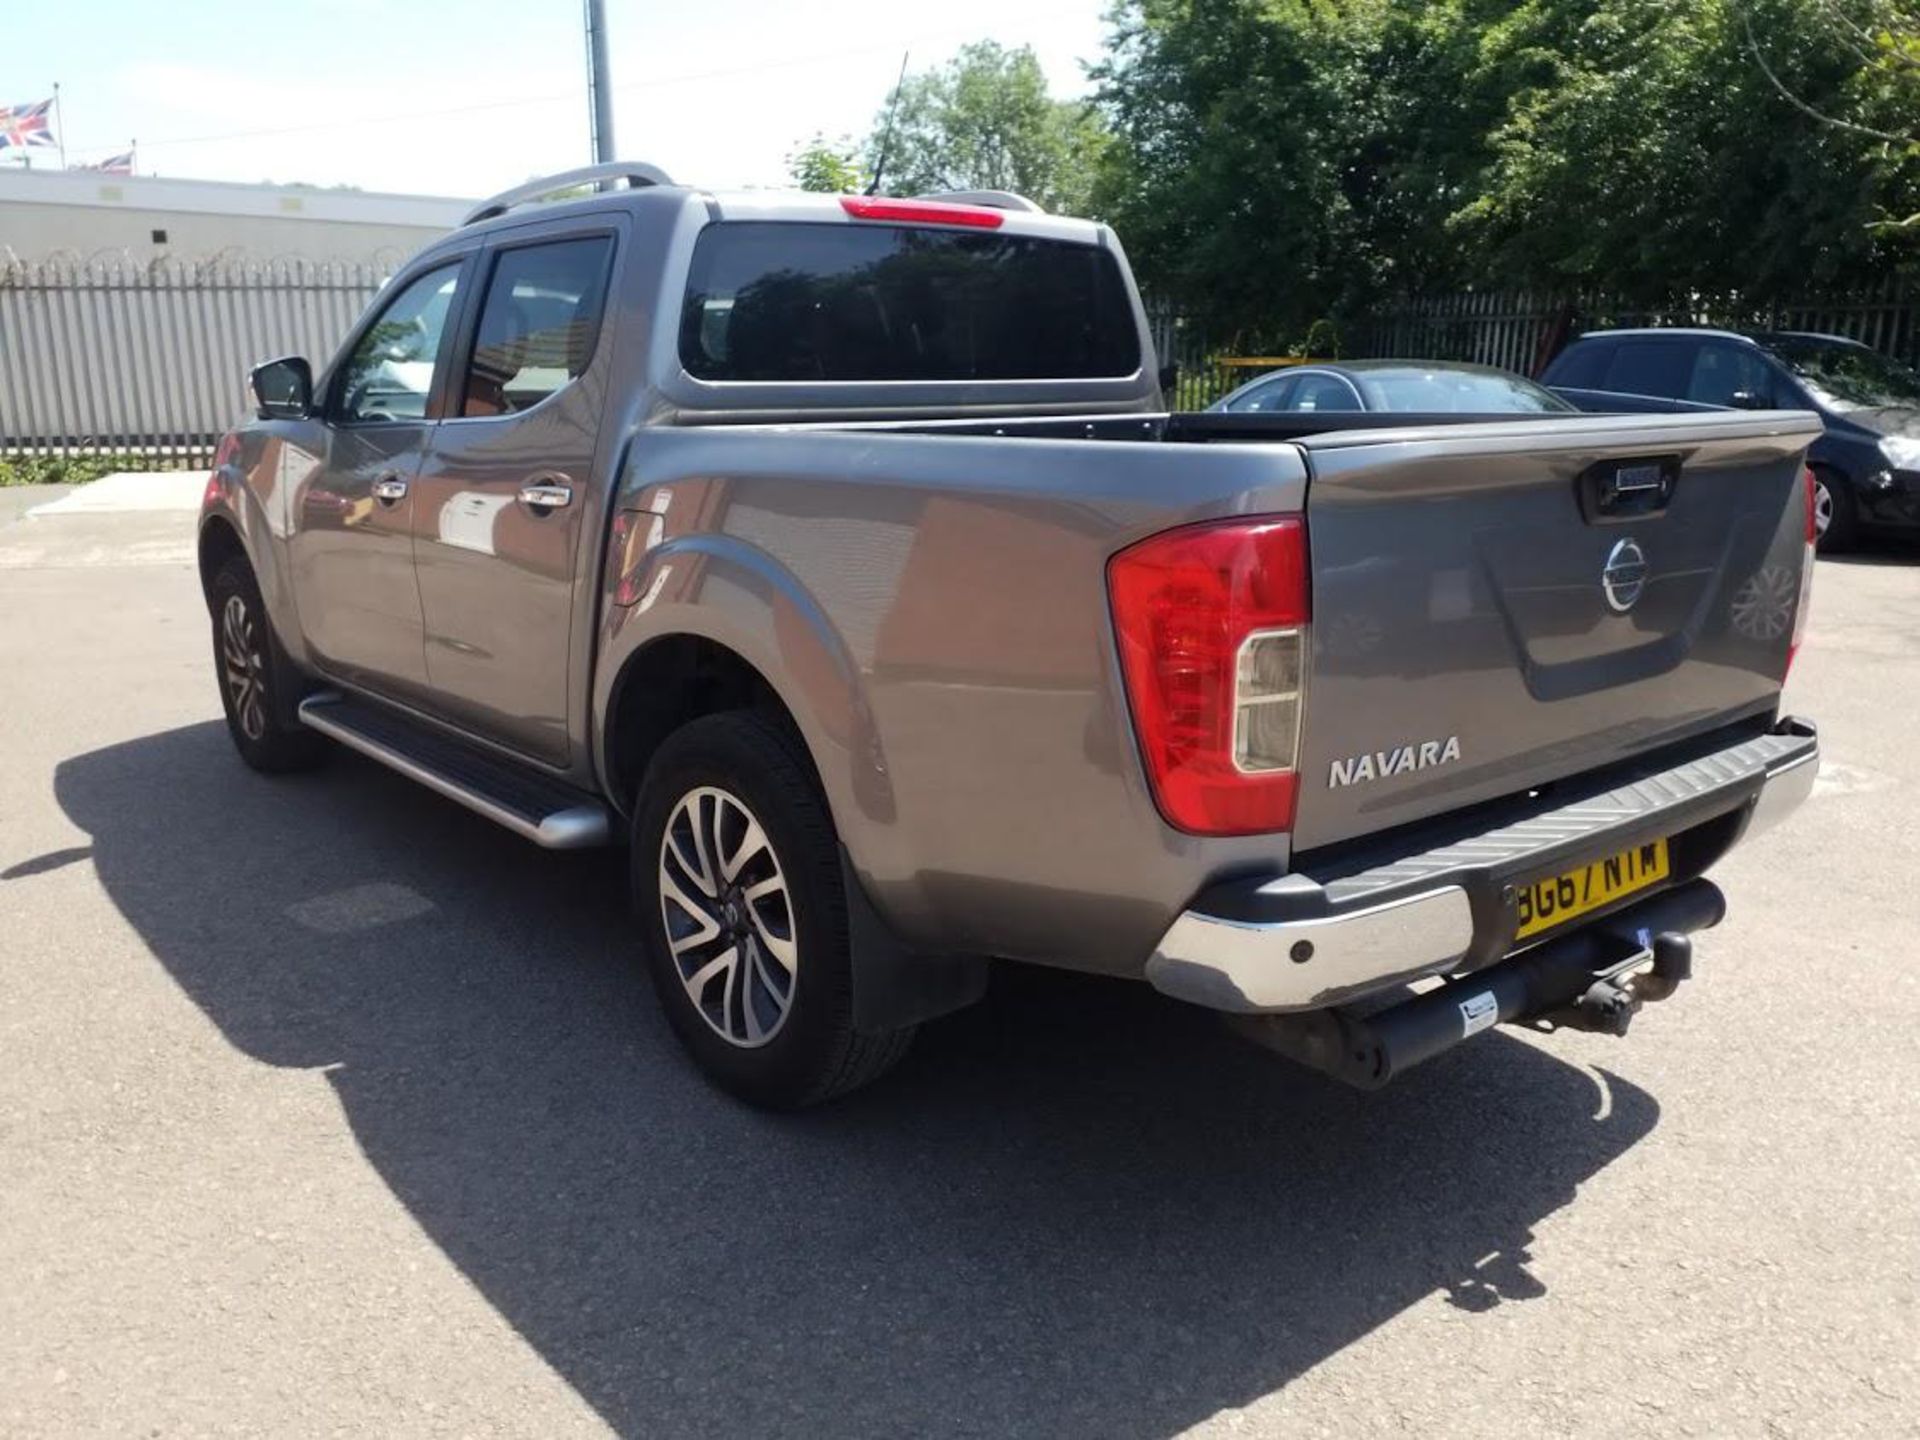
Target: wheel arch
[234,522]
[219,542]
[677,677]
[666,683]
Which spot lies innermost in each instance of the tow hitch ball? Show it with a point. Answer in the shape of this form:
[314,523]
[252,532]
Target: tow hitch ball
[1609,1004]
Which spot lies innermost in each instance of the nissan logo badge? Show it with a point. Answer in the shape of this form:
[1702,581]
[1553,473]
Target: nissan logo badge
[1624,576]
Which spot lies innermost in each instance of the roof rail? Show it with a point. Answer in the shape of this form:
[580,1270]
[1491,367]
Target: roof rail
[992,199]
[633,172]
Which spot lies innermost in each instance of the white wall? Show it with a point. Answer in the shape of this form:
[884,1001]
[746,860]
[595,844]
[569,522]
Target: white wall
[44,214]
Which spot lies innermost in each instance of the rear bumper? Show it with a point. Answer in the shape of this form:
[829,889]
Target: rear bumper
[1305,942]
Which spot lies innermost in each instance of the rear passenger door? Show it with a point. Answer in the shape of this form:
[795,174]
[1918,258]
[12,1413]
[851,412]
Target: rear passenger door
[504,500]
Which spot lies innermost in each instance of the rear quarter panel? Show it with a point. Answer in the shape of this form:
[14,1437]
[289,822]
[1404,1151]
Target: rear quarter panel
[933,611]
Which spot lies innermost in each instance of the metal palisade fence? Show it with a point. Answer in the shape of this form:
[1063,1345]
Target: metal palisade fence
[1521,331]
[150,359]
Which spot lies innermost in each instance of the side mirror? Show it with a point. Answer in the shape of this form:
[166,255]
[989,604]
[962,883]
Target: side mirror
[1749,400]
[283,388]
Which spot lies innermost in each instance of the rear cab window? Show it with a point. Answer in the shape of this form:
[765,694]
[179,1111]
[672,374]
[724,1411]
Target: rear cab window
[796,302]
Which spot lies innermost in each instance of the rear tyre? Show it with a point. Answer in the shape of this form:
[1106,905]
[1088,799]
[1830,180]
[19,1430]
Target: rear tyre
[743,916]
[1836,515]
[259,686]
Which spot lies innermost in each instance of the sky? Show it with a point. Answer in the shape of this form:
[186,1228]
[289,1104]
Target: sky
[468,97]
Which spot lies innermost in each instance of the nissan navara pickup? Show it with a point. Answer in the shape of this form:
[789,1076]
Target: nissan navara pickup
[839,556]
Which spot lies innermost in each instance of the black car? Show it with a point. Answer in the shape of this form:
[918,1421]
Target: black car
[1866,467]
[1427,387]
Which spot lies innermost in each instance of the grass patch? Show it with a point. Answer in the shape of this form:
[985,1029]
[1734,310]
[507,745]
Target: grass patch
[72,469]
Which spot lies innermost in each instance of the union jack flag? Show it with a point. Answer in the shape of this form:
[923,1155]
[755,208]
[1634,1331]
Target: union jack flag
[121,164]
[24,125]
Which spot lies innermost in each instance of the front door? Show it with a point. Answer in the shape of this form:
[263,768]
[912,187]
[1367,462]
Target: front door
[504,497]
[352,517]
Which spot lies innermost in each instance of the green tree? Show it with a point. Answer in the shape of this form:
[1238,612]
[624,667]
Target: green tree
[827,167]
[985,121]
[1653,154]
[1879,41]
[1238,177]
[1279,160]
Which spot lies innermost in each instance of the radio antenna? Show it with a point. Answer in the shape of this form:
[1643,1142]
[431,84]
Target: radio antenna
[886,133]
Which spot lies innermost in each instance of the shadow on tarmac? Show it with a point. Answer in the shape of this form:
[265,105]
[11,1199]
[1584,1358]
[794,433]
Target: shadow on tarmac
[1076,1209]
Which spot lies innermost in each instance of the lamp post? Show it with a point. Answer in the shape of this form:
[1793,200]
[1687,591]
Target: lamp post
[599,96]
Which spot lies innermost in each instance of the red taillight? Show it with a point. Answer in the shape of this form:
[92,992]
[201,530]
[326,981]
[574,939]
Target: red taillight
[1810,485]
[921,212]
[1211,622]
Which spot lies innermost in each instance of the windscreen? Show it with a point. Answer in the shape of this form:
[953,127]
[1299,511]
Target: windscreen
[797,303]
[1850,376]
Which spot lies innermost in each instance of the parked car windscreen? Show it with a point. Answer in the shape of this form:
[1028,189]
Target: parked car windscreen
[1850,377]
[797,302]
[1462,391]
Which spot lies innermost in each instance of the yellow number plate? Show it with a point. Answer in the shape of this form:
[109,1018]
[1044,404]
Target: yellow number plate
[1560,898]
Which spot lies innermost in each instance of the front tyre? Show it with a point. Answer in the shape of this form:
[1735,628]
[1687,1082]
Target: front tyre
[743,915]
[256,680]
[1836,514]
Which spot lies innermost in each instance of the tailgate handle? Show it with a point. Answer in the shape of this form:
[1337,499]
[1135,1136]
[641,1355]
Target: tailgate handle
[1627,488]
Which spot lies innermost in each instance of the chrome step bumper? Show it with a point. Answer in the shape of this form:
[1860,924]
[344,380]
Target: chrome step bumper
[1305,943]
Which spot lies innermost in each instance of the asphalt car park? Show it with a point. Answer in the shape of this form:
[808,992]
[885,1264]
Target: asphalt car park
[329,1107]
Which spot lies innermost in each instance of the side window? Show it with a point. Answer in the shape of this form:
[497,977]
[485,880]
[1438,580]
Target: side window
[1264,399]
[538,325]
[1724,371]
[1323,392]
[390,372]
[1651,367]
[1580,366]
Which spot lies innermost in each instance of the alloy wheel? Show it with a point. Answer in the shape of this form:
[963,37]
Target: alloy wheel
[729,916]
[1822,507]
[244,666]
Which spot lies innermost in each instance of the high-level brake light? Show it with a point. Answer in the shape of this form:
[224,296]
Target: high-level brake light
[1212,628]
[922,212]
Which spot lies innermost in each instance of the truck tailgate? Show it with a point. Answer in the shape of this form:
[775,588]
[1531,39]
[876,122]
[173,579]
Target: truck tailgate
[1498,606]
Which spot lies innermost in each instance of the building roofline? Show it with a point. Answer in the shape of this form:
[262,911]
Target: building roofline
[95,189]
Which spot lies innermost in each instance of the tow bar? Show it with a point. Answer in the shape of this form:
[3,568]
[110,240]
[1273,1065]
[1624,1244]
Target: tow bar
[1595,978]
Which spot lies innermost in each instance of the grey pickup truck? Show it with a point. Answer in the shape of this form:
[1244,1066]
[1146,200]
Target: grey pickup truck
[839,556]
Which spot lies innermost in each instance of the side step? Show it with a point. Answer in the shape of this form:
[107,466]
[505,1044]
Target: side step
[530,804]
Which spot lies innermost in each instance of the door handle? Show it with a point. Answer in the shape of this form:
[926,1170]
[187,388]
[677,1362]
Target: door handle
[545,495]
[389,488]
